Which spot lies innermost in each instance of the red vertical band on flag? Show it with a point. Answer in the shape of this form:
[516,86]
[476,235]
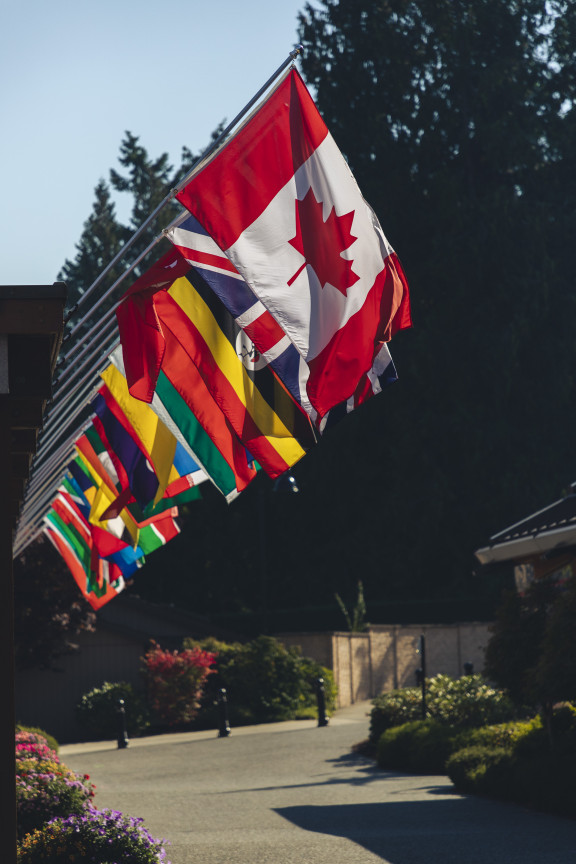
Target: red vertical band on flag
[140,329]
[261,158]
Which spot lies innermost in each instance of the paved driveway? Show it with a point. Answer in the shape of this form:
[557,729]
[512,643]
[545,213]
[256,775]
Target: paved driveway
[293,792]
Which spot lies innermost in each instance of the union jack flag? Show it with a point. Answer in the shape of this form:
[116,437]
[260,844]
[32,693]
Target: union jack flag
[201,251]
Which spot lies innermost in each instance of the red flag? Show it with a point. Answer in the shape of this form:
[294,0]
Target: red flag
[142,339]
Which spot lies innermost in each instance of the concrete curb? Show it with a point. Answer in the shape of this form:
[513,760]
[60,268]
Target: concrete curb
[356,713]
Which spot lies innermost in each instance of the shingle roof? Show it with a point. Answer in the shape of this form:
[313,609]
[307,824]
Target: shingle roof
[553,527]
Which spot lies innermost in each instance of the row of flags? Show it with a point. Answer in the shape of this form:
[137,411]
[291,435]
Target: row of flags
[267,321]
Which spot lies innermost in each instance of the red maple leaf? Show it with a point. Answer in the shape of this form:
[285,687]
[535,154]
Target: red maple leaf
[322,242]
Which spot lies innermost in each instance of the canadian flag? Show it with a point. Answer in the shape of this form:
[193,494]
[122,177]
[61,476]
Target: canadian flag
[279,199]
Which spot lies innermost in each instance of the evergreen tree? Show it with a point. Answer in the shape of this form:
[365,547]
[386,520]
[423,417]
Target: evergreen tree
[555,671]
[457,120]
[148,181]
[101,240]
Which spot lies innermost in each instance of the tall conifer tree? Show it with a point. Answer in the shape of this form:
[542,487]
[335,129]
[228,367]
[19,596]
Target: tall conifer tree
[101,240]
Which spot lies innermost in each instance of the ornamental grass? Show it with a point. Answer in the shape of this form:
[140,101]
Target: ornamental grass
[94,837]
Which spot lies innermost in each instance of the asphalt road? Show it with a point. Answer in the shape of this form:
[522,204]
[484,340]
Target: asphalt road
[293,793]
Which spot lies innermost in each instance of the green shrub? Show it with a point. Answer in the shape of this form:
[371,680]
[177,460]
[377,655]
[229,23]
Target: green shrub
[310,672]
[97,711]
[264,682]
[393,709]
[545,780]
[466,701]
[35,730]
[482,769]
[519,762]
[563,721]
[421,746]
[506,735]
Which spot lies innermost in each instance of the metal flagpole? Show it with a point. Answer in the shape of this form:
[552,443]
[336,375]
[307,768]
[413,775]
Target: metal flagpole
[215,144]
[59,404]
[45,482]
[95,354]
[101,300]
[37,504]
[173,192]
[72,411]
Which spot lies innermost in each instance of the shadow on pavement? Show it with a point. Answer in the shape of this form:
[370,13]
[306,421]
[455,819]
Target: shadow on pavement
[455,831]
[369,776]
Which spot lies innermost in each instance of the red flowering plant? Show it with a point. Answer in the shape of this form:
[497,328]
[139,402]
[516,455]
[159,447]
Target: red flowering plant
[175,682]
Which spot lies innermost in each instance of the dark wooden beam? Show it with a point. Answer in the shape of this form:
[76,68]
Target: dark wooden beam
[31,330]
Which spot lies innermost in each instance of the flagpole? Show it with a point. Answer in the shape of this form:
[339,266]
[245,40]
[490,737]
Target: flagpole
[205,155]
[173,192]
[73,410]
[42,494]
[58,459]
[89,353]
[101,300]
[58,410]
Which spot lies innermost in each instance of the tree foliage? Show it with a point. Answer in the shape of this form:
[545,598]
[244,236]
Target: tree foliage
[555,672]
[530,651]
[49,610]
[101,240]
[146,182]
[457,119]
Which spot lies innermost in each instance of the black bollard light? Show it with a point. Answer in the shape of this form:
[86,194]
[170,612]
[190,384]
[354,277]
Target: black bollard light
[223,724]
[468,668]
[321,697]
[122,734]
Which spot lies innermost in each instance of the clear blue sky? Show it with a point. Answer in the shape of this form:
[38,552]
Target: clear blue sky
[77,73]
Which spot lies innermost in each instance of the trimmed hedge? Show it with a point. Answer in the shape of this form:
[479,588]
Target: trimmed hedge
[528,762]
[480,768]
[522,762]
[420,746]
[424,746]
[543,780]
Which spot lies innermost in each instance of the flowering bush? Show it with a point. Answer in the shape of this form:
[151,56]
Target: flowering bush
[30,745]
[466,701]
[33,733]
[175,680]
[94,837]
[45,787]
